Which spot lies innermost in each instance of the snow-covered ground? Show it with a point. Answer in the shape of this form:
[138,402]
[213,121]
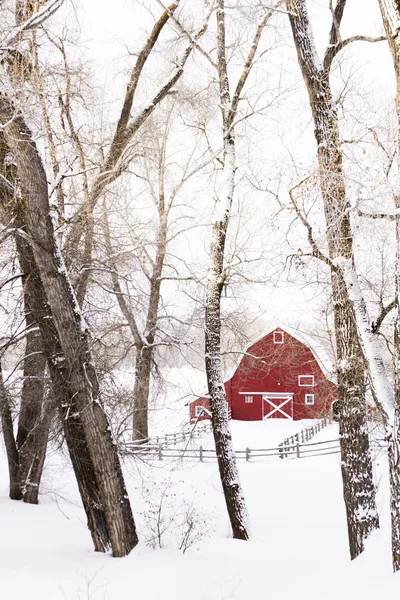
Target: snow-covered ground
[297,548]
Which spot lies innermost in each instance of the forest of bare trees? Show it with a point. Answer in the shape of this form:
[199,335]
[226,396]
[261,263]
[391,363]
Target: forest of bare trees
[235,155]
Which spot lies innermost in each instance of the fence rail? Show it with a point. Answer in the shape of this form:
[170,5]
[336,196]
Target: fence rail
[302,436]
[305,450]
[169,439]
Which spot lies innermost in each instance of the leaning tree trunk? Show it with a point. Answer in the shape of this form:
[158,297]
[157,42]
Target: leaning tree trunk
[64,398]
[390,10]
[35,411]
[119,532]
[356,464]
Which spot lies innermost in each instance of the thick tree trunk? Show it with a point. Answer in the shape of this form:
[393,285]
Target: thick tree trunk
[9,441]
[29,447]
[35,412]
[118,531]
[64,399]
[357,473]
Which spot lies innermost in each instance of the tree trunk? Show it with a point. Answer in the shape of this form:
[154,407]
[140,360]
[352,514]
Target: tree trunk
[219,408]
[9,441]
[227,465]
[118,528]
[144,342]
[35,412]
[356,464]
[141,393]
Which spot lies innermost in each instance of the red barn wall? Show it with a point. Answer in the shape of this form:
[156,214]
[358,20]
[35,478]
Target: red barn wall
[270,367]
[206,403]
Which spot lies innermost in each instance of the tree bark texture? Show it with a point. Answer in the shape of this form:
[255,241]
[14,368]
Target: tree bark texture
[141,392]
[356,464]
[35,412]
[9,442]
[64,399]
[119,532]
[227,465]
[390,10]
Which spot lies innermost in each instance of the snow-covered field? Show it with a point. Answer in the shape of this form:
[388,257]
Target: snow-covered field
[297,549]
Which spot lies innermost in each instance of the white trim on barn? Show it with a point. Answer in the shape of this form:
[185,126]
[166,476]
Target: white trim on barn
[270,394]
[281,339]
[309,399]
[318,352]
[310,377]
[268,397]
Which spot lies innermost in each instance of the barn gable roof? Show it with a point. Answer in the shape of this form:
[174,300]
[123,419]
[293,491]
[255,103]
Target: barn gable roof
[316,349]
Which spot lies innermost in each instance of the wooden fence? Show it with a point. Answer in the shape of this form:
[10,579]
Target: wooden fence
[169,439]
[302,436]
[298,450]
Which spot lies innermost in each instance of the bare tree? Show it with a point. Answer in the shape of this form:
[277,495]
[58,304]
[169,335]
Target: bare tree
[109,516]
[357,476]
[164,181]
[390,10]
[215,282]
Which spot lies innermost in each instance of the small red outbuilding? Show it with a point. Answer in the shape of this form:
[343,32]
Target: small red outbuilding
[279,377]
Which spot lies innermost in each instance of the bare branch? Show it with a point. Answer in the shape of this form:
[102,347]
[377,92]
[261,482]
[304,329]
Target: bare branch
[32,23]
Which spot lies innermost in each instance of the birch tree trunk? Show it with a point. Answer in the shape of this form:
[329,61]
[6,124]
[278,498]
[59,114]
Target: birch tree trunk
[118,529]
[356,463]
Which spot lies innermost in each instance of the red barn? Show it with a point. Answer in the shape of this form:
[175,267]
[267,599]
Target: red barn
[279,377]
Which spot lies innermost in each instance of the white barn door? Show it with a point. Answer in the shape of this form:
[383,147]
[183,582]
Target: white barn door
[277,406]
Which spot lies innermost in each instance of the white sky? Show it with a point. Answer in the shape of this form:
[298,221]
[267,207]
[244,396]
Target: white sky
[109,34]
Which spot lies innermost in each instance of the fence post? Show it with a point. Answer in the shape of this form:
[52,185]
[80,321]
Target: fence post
[302,436]
[201,453]
[280,450]
[160,452]
[247,454]
[298,450]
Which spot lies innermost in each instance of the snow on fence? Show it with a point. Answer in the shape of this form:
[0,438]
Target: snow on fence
[305,450]
[302,436]
[169,439]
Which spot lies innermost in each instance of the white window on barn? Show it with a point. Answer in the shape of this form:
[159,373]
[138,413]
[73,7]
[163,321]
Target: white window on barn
[306,380]
[309,399]
[279,337]
[248,399]
[199,411]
